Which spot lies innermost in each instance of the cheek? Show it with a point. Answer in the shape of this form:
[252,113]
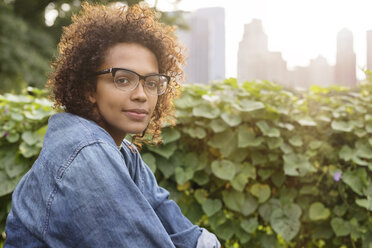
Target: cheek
[154,103]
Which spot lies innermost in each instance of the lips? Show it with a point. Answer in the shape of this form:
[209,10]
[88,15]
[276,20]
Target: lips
[136,114]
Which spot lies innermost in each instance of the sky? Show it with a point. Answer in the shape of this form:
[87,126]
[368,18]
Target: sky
[299,29]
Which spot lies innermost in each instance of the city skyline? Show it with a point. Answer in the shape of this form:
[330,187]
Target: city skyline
[300,30]
[257,62]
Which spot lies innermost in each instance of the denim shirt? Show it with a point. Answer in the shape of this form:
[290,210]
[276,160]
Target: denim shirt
[83,191]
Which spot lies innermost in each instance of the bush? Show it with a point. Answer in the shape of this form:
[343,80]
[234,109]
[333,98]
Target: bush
[258,165]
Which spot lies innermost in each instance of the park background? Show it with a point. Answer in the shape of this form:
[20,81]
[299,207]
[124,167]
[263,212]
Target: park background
[259,164]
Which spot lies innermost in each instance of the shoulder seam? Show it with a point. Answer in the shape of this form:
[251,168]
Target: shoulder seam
[60,173]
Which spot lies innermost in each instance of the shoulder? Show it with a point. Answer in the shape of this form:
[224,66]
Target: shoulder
[68,136]
[67,127]
[95,158]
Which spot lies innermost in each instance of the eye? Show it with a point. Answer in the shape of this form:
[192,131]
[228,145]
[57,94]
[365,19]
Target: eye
[121,81]
[152,84]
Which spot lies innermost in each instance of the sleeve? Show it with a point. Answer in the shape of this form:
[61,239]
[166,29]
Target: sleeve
[207,240]
[182,232]
[96,204]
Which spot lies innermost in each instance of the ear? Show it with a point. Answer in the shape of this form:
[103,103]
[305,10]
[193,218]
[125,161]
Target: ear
[91,96]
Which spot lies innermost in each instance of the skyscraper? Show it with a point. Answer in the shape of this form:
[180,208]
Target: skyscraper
[255,62]
[205,44]
[252,53]
[369,49]
[345,73]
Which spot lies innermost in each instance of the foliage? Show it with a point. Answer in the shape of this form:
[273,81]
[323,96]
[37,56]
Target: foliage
[257,165]
[28,44]
[265,167]
[24,52]
[23,124]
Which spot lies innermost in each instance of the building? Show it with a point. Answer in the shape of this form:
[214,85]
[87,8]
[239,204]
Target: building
[255,61]
[205,45]
[369,49]
[345,72]
[320,72]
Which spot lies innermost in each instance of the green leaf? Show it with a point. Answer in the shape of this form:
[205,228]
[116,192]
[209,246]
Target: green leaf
[278,178]
[183,175]
[201,178]
[343,126]
[37,115]
[225,231]
[286,222]
[317,212]
[12,137]
[340,210]
[17,116]
[170,134]
[246,138]
[206,111]
[166,150]
[346,153]
[363,149]
[258,158]
[340,226]
[315,144]
[28,151]
[265,173]
[286,148]
[29,138]
[15,169]
[166,166]
[217,219]
[267,130]
[231,119]
[200,195]
[307,121]
[249,106]
[249,225]
[225,141]
[195,132]
[261,191]
[190,159]
[355,180]
[240,202]
[239,181]
[223,169]
[268,207]
[274,143]
[7,185]
[150,160]
[369,127]
[365,203]
[210,207]
[297,165]
[218,125]
[186,101]
[296,141]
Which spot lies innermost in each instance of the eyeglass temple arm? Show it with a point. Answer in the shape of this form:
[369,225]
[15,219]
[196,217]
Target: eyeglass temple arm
[104,71]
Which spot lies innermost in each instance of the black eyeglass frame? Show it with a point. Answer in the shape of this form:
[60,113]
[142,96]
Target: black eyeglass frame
[113,71]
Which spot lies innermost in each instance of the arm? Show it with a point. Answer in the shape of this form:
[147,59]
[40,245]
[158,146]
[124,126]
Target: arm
[182,232]
[96,204]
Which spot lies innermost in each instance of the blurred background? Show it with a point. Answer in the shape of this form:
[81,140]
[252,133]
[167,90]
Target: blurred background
[293,43]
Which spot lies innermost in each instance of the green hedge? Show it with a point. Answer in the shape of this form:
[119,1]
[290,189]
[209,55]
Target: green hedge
[256,164]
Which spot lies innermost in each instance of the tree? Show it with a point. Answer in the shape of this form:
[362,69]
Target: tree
[28,43]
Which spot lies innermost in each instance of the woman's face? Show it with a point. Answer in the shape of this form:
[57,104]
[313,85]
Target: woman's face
[125,112]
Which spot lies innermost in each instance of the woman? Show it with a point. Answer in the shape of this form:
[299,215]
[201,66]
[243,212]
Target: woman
[116,74]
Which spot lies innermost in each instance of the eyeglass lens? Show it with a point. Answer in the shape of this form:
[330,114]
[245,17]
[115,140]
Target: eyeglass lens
[127,81]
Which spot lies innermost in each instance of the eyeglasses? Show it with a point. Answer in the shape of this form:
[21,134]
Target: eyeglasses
[127,80]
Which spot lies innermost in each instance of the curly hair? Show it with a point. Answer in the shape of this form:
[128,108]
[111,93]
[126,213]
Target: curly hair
[83,47]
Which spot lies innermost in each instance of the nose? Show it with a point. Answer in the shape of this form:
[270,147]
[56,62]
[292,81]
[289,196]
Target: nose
[139,93]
